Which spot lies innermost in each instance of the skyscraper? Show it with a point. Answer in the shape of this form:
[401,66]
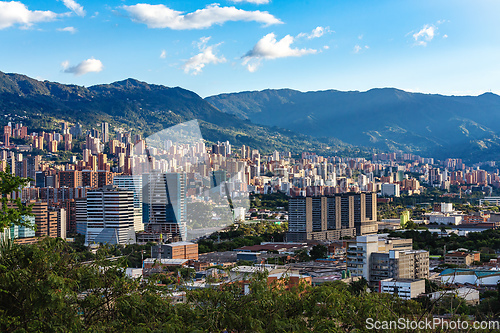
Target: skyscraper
[110,216]
[134,184]
[81,215]
[164,211]
[105,132]
[6,135]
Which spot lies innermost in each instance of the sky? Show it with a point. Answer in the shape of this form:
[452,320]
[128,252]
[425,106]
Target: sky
[444,47]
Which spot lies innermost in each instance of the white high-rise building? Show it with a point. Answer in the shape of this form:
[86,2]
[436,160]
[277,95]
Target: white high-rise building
[276,156]
[105,132]
[391,190]
[134,184]
[362,182]
[359,255]
[110,216]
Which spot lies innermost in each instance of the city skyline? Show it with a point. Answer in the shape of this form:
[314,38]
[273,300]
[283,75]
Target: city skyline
[446,47]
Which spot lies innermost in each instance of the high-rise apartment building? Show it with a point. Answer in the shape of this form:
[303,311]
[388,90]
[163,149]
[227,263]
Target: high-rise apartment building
[104,178]
[62,223]
[71,178]
[46,221]
[52,223]
[40,210]
[89,178]
[105,132]
[332,217]
[6,135]
[70,208]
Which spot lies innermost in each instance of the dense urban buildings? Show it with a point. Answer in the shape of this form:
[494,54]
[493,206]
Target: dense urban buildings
[332,197]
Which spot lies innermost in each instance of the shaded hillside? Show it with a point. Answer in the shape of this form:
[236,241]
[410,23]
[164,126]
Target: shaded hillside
[144,108]
[389,119]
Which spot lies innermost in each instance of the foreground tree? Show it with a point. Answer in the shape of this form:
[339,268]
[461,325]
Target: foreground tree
[13,210]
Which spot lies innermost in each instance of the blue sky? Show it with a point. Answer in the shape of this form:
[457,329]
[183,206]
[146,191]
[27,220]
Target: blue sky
[446,47]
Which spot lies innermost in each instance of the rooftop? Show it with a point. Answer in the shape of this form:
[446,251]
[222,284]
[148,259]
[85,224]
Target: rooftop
[402,280]
[166,261]
[180,244]
[456,254]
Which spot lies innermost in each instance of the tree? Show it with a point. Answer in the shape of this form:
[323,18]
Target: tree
[318,252]
[38,287]
[302,255]
[13,210]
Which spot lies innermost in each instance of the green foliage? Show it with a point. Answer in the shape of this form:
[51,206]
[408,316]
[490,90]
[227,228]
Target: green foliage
[269,201]
[486,241]
[302,255]
[38,287]
[44,288]
[318,252]
[13,210]
[240,235]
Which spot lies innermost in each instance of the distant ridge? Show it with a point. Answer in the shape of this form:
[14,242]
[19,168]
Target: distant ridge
[145,108]
[467,127]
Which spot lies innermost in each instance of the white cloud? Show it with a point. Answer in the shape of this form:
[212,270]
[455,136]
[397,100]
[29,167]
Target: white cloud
[269,48]
[255,2]
[195,64]
[445,36]
[160,16]
[86,66]
[253,66]
[15,12]
[425,35]
[358,48]
[317,32]
[74,7]
[163,54]
[326,47]
[202,43]
[68,29]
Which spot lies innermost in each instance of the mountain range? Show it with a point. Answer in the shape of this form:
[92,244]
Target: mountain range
[350,123]
[466,127]
[144,108]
